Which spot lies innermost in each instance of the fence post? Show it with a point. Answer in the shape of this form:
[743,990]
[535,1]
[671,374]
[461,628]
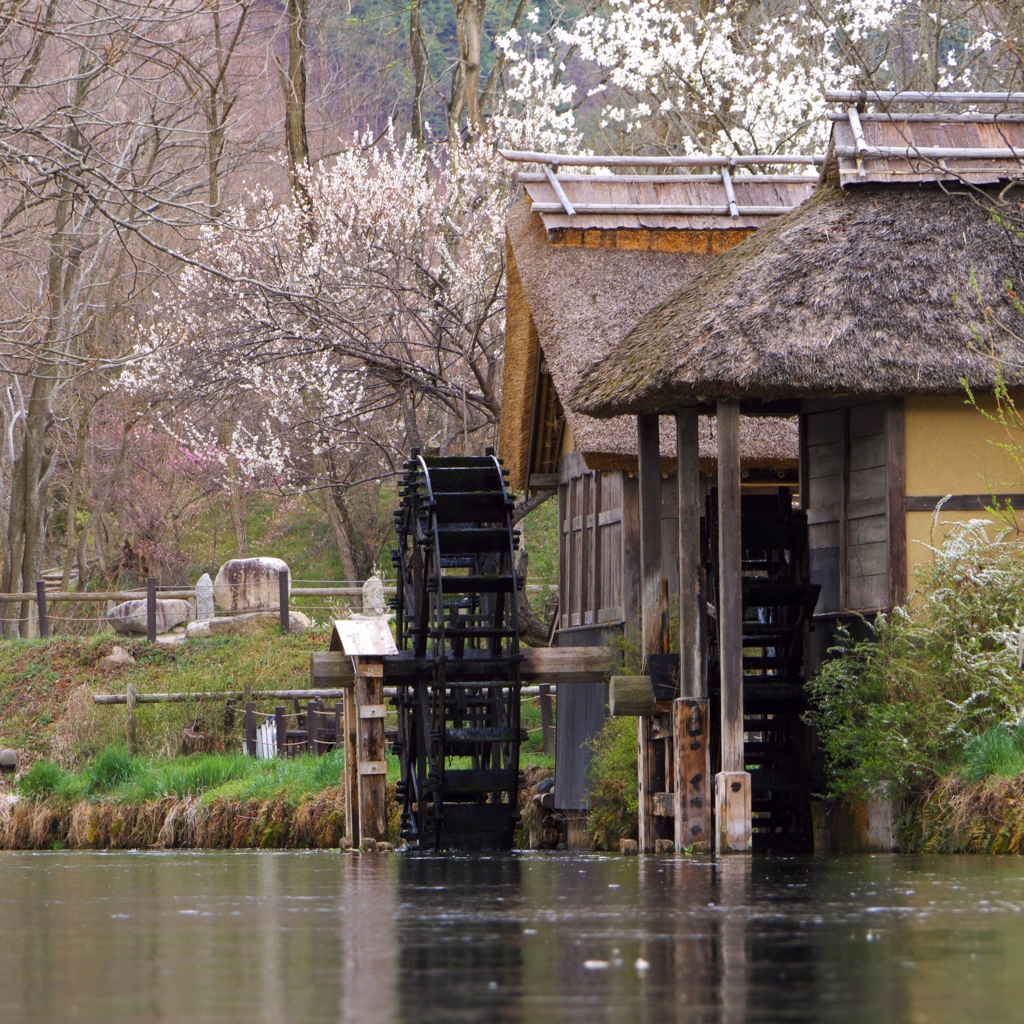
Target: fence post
[282,583]
[44,618]
[130,705]
[312,723]
[151,609]
[281,723]
[250,728]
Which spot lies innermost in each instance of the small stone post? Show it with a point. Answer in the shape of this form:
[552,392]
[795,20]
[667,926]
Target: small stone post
[204,598]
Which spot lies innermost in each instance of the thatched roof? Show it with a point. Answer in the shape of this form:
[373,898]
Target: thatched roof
[867,292]
[582,301]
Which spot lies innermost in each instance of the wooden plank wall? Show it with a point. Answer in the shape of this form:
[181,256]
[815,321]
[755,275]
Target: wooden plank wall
[590,511]
[847,498]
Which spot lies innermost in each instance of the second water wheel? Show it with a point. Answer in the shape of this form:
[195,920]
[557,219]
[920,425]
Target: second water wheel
[458,627]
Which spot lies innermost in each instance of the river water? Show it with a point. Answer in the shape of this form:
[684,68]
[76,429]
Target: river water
[310,937]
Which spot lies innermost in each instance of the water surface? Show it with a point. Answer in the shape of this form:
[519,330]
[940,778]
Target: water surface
[311,937]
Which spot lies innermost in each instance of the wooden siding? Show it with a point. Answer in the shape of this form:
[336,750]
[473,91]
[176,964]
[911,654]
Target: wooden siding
[846,467]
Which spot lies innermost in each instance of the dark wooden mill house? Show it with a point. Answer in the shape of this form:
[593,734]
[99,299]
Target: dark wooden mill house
[862,311]
[588,256]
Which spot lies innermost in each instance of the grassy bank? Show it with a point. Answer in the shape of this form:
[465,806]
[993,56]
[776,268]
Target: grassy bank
[78,787]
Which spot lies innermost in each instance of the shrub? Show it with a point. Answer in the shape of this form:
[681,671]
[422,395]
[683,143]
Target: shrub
[614,794]
[903,706]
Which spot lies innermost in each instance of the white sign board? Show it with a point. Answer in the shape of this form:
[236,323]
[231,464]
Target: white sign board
[366,638]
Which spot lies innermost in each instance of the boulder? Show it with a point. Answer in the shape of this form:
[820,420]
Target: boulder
[117,658]
[205,608]
[130,616]
[237,625]
[248,585]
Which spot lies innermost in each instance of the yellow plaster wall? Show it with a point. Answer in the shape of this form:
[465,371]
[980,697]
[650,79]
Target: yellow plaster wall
[950,450]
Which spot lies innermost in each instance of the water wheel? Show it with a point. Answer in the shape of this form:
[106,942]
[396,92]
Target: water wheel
[457,625]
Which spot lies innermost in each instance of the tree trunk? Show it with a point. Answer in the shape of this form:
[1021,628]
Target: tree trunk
[469,24]
[294,85]
[419,69]
[100,506]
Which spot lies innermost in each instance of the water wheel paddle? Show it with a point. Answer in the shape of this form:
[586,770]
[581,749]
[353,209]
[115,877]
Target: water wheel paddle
[456,615]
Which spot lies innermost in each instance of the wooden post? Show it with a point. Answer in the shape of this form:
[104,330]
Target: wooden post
[650,611]
[312,724]
[546,719]
[733,831]
[650,533]
[281,724]
[151,609]
[44,618]
[691,505]
[130,705]
[691,711]
[369,694]
[692,772]
[282,586]
[351,767]
[339,736]
[250,728]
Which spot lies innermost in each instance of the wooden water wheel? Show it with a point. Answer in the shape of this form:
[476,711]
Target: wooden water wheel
[457,619]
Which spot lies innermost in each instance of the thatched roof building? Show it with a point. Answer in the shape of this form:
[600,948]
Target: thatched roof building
[571,299]
[883,288]
[865,311]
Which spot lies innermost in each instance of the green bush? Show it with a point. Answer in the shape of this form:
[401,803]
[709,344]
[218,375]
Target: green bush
[614,793]
[904,706]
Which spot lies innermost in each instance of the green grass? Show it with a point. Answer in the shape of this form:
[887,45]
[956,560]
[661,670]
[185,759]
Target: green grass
[114,776]
[997,752]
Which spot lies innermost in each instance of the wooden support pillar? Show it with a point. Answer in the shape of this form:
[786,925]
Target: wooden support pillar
[650,533]
[372,766]
[351,766]
[733,825]
[648,449]
[691,724]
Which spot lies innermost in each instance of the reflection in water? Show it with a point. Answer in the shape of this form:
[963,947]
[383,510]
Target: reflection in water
[275,938]
[464,964]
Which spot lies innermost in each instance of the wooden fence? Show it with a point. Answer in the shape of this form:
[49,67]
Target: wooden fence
[38,616]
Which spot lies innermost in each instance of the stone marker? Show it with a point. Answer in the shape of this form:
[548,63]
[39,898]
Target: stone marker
[237,625]
[248,585]
[205,608]
[130,616]
[374,602]
[117,658]
[8,759]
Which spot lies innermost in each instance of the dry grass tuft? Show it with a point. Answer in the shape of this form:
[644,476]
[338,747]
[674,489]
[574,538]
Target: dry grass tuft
[987,817]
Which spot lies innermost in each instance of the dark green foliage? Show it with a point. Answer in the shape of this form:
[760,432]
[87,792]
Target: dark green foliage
[614,794]
[903,707]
